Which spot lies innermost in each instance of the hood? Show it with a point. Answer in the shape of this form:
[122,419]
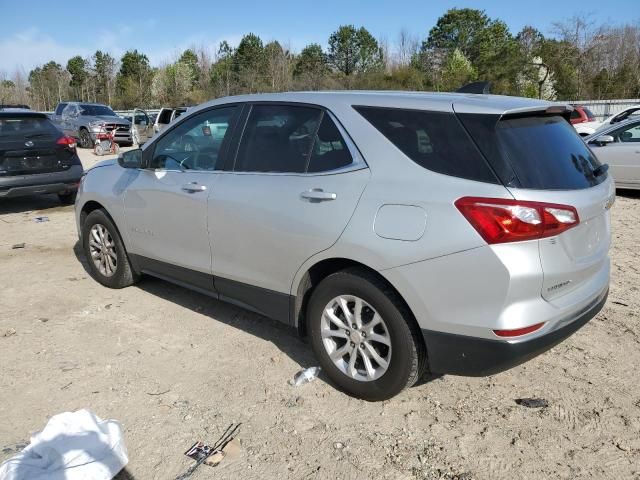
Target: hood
[104,163]
[107,119]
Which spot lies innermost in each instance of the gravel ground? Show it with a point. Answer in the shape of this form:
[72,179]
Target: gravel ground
[174,367]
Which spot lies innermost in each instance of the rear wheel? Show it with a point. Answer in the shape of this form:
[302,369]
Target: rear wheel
[67,198]
[85,139]
[364,336]
[105,252]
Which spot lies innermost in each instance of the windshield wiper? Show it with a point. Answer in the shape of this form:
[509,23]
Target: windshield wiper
[601,170]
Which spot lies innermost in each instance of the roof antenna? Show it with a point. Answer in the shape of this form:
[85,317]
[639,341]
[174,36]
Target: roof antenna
[476,87]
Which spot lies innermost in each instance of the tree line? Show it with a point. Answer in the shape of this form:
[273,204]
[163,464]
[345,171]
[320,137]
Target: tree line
[580,60]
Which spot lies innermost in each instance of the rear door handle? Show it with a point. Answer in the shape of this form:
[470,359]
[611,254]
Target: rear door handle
[193,187]
[318,195]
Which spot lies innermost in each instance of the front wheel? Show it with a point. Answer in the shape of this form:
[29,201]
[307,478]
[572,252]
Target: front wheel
[105,252]
[364,336]
[85,139]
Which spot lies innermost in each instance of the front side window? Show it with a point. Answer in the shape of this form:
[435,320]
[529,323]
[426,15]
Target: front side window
[277,138]
[628,134]
[96,110]
[196,143]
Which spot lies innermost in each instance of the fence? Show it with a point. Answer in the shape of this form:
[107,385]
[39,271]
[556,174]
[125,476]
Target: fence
[602,109]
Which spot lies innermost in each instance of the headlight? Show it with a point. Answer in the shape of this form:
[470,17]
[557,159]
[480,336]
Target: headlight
[96,124]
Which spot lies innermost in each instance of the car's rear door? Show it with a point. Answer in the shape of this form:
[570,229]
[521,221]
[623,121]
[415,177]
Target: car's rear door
[142,125]
[166,205]
[295,183]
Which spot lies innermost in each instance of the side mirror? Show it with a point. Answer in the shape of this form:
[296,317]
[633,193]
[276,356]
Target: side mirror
[131,159]
[602,140]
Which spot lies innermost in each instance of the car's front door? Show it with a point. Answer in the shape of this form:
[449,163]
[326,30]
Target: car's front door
[141,126]
[166,203]
[294,185]
[622,155]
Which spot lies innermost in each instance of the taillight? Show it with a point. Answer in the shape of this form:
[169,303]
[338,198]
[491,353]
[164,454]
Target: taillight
[500,220]
[518,331]
[68,142]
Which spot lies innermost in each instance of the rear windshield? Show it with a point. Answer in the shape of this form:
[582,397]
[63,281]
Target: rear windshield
[94,110]
[25,126]
[434,140]
[536,152]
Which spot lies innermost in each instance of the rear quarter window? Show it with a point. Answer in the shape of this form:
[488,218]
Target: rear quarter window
[434,140]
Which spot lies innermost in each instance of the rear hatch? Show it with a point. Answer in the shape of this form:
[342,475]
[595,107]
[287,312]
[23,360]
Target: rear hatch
[539,157]
[28,145]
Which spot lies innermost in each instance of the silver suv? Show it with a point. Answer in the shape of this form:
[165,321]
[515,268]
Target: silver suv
[401,232]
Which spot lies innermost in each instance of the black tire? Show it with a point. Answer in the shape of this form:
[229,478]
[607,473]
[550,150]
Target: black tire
[67,198]
[124,275]
[85,139]
[408,355]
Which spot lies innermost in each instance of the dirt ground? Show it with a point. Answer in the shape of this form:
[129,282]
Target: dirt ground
[174,367]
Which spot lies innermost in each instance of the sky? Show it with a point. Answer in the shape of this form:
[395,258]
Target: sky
[33,32]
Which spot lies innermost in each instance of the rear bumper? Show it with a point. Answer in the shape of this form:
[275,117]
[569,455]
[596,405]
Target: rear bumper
[470,356]
[41,183]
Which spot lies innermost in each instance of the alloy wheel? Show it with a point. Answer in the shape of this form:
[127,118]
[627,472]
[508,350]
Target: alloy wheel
[356,338]
[103,250]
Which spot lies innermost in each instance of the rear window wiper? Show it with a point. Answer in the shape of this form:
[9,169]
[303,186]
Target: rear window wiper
[601,170]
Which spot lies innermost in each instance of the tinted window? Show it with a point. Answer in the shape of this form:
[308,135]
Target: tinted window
[277,138]
[26,126]
[589,114]
[433,140]
[59,108]
[546,153]
[196,144]
[94,110]
[575,115]
[329,149]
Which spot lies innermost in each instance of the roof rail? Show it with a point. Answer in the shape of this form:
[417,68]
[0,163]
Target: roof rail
[476,87]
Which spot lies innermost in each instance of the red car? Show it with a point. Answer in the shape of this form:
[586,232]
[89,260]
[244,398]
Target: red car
[581,114]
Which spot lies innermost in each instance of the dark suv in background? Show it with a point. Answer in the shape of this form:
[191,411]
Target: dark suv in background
[36,157]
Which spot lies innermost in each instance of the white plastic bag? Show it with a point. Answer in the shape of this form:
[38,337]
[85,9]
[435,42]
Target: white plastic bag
[72,446]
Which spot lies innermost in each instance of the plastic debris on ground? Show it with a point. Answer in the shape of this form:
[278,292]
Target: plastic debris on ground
[41,219]
[305,375]
[532,402]
[17,245]
[73,446]
[226,447]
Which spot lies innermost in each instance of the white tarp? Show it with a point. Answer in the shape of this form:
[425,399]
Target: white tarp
[72,446]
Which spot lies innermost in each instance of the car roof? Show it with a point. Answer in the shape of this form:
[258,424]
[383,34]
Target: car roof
[462,102]
[612,127]
[20,113]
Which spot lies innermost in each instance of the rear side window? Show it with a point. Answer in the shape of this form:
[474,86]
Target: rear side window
[26,126]
[433,140]
[534,152]
[329,152]
[277,138]
[60,108]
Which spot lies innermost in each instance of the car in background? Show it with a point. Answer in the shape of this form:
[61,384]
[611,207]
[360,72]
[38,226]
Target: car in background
[165,116]
[83,121]
[583,120]
[36,157]
[141,126]
[403,233]
[618,145]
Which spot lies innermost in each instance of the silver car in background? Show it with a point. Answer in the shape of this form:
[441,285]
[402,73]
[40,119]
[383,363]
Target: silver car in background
[618,145]
[401,232]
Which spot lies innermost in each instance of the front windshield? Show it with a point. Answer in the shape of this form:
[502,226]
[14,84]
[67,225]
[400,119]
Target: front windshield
[95,110]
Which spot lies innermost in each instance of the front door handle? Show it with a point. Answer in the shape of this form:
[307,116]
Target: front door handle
[193,187]
[318,195]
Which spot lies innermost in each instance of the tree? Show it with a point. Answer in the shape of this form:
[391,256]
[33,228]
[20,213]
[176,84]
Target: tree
[134,79]
[104,73]
[457,71]
[354,51]
[278,66]
[459,28]
[222,72]
[311,67]
[190,60]
[250,63]
[77,68]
